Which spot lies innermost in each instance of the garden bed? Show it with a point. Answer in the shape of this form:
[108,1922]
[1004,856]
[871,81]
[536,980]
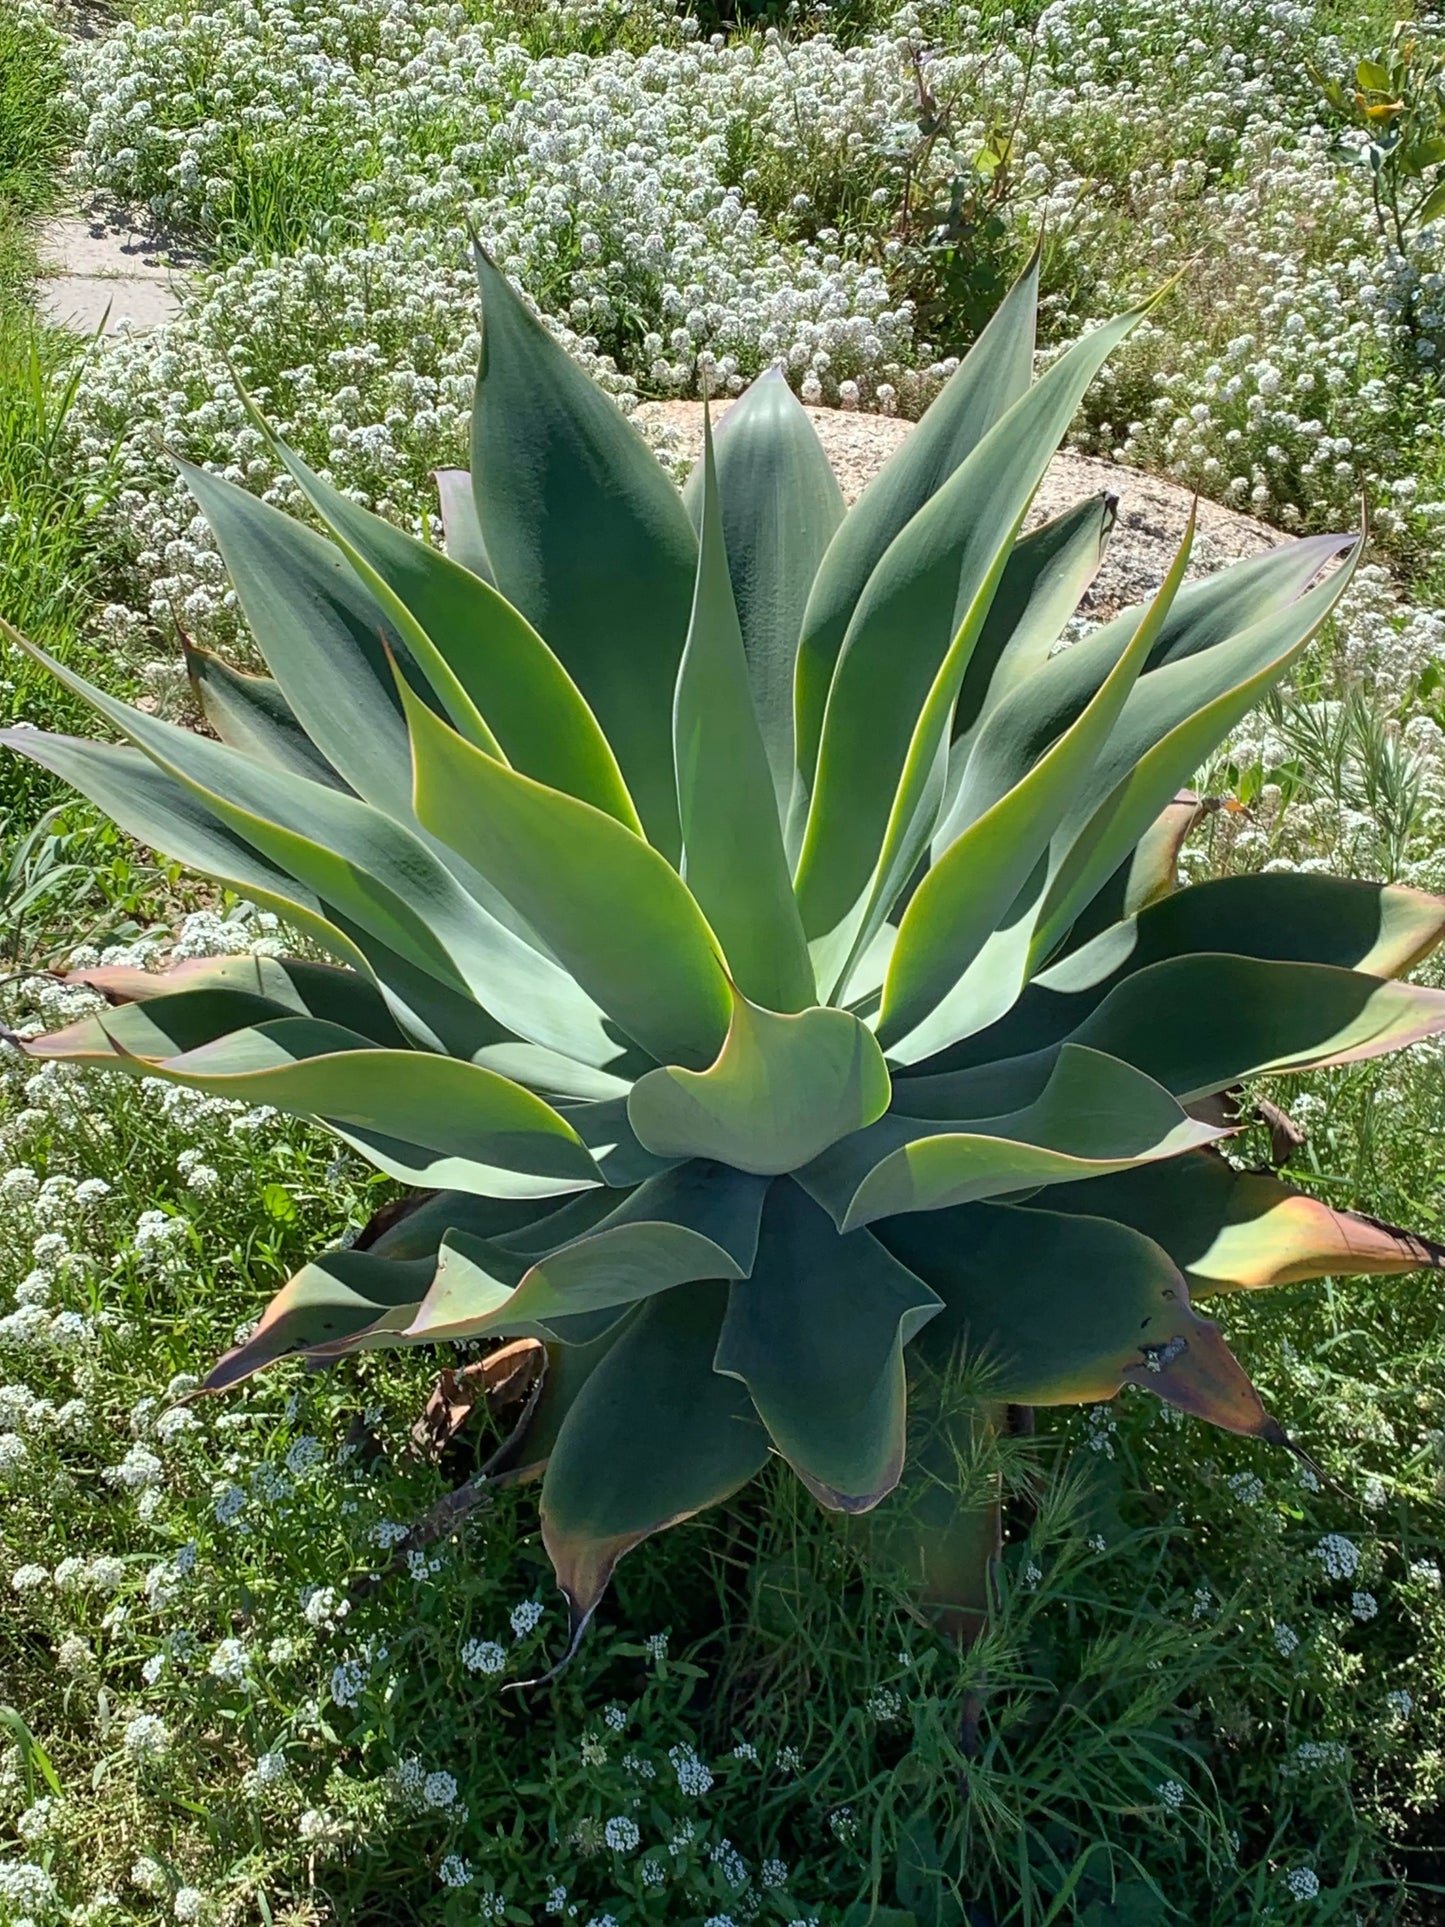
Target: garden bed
[1212,1689]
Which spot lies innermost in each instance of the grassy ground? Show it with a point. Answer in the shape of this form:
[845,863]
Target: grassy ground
[33,139]
[52,548]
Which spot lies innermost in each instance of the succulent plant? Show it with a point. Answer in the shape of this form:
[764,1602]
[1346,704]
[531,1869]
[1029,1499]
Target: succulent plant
[753,940]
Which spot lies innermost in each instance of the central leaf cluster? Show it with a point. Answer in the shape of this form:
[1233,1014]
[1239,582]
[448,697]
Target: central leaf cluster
[784,1089]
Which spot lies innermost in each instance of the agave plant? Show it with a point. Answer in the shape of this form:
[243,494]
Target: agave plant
[751,938]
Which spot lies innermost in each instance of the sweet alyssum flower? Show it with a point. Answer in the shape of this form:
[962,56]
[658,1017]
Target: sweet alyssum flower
[484,1656]
[1339,1556]
[146,1738]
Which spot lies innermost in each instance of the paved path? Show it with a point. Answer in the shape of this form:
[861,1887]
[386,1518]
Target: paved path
[96,269]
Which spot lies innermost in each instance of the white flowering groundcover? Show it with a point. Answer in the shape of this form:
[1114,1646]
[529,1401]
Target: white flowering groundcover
[214,1721]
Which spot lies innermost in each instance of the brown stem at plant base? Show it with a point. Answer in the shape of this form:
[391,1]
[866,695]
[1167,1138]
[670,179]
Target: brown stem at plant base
[508,1380]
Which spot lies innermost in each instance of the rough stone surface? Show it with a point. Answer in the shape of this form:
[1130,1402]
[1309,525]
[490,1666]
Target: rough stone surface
[1152,513]
[99,268]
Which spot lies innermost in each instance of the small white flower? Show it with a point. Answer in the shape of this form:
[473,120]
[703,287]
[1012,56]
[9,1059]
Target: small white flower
[1364,1605]
[29,1578]
[26,1890]
[454,1871]
[1339,1556]
[188,1903]
[347,1682]
[439,1790]
[622,1834]
[1286,1640]
[149,1876]
[229,1504]
[135,1471]
[14,1456]
[174,1421]
[105,1573]
[1173,1793]
[228,1662]
[693,1778]
[484,1656]
[40,1822]
[1400,1703]
[1303,1883]
[303,1454]
[525,1617]
[146,1739]
[323,1606]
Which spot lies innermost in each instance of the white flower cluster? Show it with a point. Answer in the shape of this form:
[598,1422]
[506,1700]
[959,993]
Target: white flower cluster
[484,1656]
[693,1777]
[1310,1756]
[1339,1556]
[26,1888]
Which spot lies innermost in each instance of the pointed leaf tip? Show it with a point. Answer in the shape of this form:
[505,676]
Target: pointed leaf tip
[1196,1371]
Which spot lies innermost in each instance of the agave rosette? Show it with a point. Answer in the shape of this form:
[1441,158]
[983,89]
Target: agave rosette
[754,942]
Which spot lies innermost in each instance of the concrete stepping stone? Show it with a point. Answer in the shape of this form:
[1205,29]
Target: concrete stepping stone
[99,269]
